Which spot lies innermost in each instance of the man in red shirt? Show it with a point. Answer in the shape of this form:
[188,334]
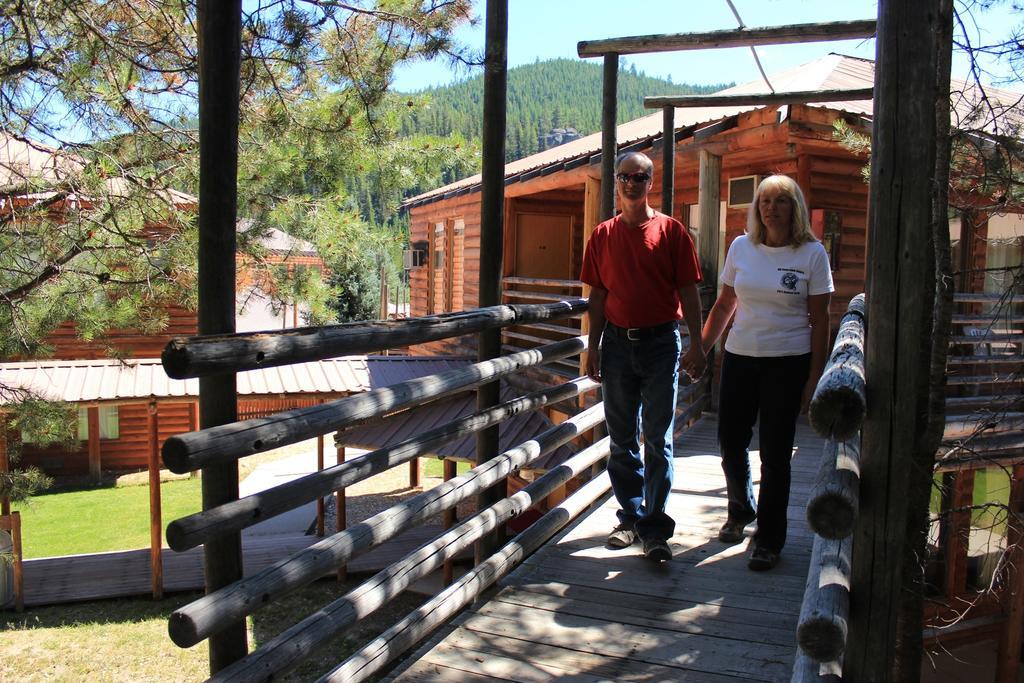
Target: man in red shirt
[643,271]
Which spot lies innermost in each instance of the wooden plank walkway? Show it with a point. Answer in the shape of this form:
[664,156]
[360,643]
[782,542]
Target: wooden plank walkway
[579,610]
[74,578]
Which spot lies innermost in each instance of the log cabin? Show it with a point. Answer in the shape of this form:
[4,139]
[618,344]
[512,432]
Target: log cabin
[552,199]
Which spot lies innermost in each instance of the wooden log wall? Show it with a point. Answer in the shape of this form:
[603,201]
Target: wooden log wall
[126,453]
[68,346]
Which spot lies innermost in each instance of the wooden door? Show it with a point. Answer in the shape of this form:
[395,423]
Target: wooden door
[543,248]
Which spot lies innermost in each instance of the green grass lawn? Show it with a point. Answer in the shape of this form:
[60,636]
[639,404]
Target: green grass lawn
[117,518]
[101,519]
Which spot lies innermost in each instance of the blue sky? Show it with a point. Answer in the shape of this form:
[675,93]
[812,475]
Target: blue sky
[546,29]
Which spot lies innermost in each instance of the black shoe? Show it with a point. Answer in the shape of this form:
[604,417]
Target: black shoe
[657,550]
[621,536]
[732,530]
[762,559]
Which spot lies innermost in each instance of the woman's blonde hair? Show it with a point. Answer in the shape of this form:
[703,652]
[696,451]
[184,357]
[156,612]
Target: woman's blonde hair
[800,224]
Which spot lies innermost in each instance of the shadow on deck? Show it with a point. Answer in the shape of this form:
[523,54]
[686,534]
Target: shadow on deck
[578,609]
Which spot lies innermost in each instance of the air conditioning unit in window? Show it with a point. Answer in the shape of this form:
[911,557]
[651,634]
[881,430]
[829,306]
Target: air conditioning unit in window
[413,258]
[741,190]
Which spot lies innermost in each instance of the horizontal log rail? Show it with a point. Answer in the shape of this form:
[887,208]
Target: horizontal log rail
[208,615]
[423,621]
[289,647]
[200,356]
[194,450]
[188,532]
[999,319]
[839,403]
[541,282]
[739,37]
[993,338]
[535,296]
[984,297]
[758,99]
[985,360]
[994,378]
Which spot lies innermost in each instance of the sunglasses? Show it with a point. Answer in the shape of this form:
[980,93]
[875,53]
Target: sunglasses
[635,177]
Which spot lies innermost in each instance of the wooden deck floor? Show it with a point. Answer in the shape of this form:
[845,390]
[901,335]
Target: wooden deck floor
[579,610]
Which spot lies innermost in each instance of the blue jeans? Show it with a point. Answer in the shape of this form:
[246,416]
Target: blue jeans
[770,388]
[639,379]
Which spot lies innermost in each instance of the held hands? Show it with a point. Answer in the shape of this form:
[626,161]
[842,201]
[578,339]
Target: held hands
[694,362]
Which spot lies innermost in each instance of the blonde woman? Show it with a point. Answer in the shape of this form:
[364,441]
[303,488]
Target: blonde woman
[778,283]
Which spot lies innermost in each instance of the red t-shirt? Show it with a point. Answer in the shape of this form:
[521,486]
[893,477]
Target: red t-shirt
[642,268]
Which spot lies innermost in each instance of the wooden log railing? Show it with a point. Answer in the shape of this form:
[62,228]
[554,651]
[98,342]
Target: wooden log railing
[836,413]
[220,609]
[215,354]
[207,615]
[192,451]
[188,532]
[285,650]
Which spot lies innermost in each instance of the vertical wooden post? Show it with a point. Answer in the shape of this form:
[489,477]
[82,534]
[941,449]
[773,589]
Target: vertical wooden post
[609,145]
[320,524]
[1008,663]
[220,31]
[709,197]
[884,642]
[450,518]
[19,573]
[492,220]
[340,512]
[156,563]
[591,218]
[95,458]
[668,159]
[382,302]
[414,473]
[12,522]
[803,177]
[957,532]
[5,502]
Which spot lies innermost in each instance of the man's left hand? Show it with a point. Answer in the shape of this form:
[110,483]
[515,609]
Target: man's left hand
[694,362]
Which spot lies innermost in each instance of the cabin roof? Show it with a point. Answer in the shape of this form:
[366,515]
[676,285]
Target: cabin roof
[830,72]
[112,380]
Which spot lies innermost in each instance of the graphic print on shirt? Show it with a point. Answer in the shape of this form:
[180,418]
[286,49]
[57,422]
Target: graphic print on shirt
[789,280]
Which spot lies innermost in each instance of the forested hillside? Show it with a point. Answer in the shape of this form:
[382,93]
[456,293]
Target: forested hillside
[560,93]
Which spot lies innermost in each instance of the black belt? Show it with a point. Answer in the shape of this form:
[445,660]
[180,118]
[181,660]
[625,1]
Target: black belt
[641,333]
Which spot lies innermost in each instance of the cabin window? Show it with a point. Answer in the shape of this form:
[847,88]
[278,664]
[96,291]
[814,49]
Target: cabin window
[447,244]
[110,424]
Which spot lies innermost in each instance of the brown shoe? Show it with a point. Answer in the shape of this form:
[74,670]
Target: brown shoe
[622,536]
[732,531]
[762,559]
[657,550]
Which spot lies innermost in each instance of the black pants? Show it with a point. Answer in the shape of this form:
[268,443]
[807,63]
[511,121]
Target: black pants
[769,388]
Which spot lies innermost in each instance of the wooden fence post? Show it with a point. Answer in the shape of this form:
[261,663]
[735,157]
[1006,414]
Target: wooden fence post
[155,526]
[885,611]
[220,35]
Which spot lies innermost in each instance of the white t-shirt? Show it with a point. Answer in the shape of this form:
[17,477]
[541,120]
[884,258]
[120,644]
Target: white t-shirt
[772,285]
